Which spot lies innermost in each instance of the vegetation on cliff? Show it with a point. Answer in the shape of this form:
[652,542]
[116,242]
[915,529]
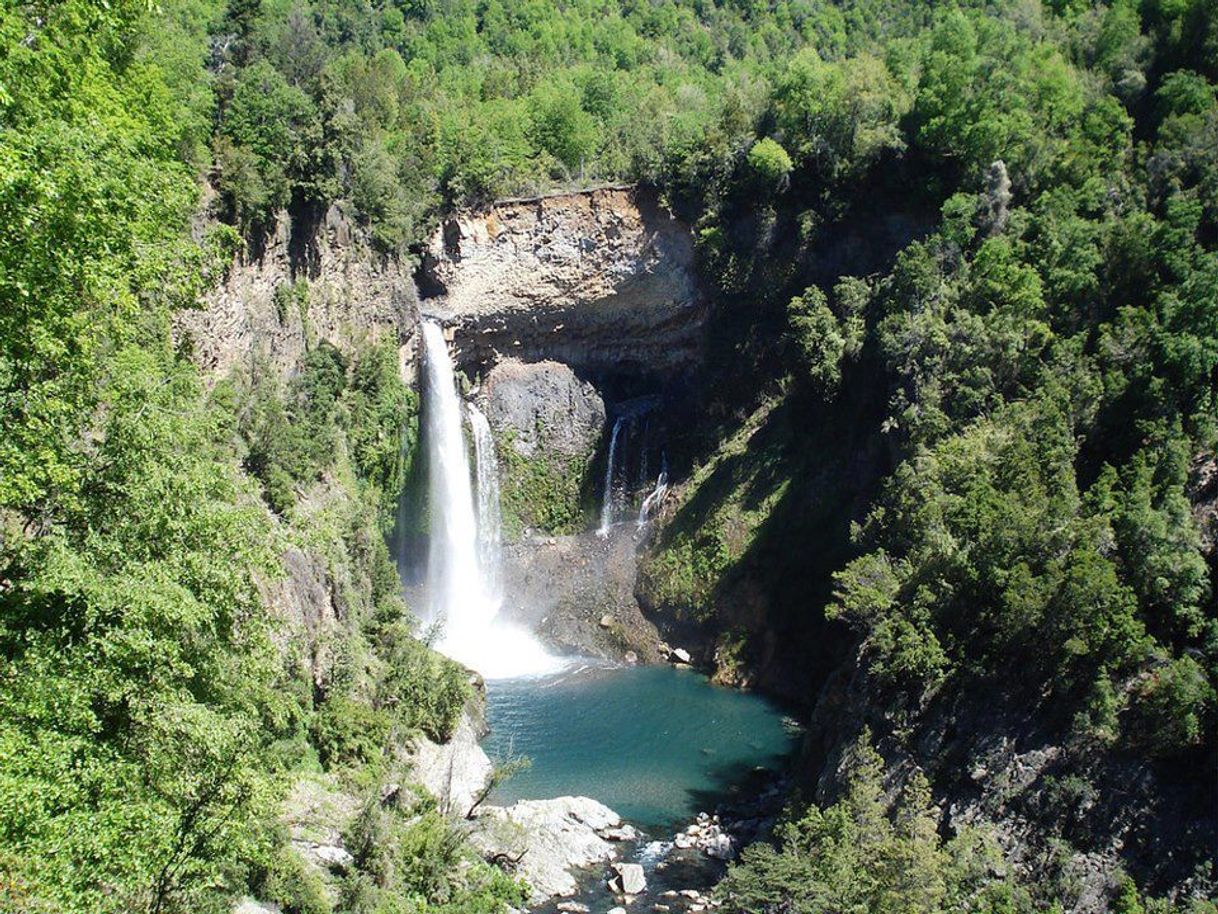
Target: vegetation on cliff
[1014,409]
[150,717]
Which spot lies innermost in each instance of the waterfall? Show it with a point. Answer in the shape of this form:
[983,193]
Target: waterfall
[489,523]
[607,504]
[454,579]
[652,501]
[463,595]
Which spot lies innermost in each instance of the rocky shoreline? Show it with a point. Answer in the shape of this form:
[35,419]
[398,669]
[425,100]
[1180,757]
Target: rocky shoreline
[580,857]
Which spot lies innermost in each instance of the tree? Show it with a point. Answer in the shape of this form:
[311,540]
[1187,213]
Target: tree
[818,338]
[560,127]
[770,165]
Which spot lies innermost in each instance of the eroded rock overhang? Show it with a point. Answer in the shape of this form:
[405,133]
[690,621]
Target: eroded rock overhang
[600,280]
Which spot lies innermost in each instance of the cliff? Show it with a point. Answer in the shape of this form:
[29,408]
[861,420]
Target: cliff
[301,284]
[600,280]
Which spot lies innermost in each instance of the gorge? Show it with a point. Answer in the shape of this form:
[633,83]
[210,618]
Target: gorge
[517,359]
[659,457]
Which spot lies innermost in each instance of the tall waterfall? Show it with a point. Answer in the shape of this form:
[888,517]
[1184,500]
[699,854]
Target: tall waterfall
[463,595]
[489,523]
[607,504]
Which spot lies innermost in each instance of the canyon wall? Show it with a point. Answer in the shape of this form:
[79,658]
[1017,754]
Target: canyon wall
[600,280]
[302,283]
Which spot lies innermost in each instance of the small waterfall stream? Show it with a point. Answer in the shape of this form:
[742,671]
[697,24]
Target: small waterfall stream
[631,446]
[610,463]
[462,570]
[653,499]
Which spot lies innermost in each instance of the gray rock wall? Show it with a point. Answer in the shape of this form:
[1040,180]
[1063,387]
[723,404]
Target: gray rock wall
[547,409]
[354,295]
[600,280]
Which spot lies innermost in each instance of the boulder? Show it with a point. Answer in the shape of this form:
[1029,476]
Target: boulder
[545,408]
[453,772]
[631,878]
[250,906]
[333,857]
[554,836]
[624,833]
[680,655]
[720,847]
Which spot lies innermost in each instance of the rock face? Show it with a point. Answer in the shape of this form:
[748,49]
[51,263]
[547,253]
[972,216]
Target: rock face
[546,408]
[550,838]
[601,280]
[577,592]
[307,282]
[304,600]
[317,812]
[455,771]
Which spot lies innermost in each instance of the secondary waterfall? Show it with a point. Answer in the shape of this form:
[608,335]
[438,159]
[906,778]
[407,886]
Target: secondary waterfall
[607,504]
[652,501]
[489,523]
[462,589]
[632,442]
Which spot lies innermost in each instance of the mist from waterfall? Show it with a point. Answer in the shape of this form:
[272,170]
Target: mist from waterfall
[462,586]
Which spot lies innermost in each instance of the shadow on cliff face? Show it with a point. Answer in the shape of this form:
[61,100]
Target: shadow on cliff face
[782,506]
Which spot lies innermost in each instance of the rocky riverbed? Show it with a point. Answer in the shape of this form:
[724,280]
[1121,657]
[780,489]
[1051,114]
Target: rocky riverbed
[625,869]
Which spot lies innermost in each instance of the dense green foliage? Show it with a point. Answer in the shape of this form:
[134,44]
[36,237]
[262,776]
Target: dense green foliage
[1038,370]
[863,853]
[148,723]
[1016,405]
[543,492]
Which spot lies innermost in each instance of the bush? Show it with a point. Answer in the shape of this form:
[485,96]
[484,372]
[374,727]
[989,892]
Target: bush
[293,885]
[348,731]
[770,165]
[1172,707]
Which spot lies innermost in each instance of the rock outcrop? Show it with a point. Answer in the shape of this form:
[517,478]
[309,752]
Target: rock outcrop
[453,772]
[567,587]
[305,283]
[317,812]
[601,280]
[550,838]
[544,407]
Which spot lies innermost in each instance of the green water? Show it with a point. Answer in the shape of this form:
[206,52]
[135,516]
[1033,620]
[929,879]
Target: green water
[656,744]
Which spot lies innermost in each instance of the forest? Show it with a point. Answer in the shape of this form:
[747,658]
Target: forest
[1039,368]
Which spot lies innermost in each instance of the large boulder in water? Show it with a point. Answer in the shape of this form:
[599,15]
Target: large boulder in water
[544,408]
[547,839]
[629,879]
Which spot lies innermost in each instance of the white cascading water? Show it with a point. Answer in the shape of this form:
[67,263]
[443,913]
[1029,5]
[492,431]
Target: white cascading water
[652,501]
[607,504]
[457,583]
[490,525]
